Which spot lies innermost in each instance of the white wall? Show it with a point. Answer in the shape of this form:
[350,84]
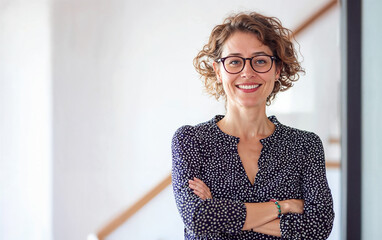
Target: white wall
[25,120]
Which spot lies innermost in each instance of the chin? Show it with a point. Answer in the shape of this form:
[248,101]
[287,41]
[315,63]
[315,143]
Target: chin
[247,102]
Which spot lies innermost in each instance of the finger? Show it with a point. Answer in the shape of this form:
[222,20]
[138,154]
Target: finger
[194,185]
[205,194]
[209,196]
[200,182]
[200,195]
[191,184]
[199,187]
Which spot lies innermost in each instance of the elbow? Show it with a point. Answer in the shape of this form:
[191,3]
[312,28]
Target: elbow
[327,220]
[196,226]
[193,212]
[328,224]
[194,221]
[307,226]
[324,226]
[324,231]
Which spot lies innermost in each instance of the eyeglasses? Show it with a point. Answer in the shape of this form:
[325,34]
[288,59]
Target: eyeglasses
[260,63]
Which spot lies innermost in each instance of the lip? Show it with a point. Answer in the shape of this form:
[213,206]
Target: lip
[247,89]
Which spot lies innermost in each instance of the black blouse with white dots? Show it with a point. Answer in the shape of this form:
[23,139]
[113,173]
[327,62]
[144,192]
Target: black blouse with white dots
[291,166]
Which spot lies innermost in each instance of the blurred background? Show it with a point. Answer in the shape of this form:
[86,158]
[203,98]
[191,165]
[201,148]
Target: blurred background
[91,92]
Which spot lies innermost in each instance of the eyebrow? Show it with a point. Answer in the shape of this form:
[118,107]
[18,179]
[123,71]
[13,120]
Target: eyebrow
[254,54]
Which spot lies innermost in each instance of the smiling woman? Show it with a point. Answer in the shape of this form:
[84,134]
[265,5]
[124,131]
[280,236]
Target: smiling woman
[245,175]
[269,32]
[240,80]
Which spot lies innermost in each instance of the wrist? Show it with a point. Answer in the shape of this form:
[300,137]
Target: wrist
[278,207]
[284,206]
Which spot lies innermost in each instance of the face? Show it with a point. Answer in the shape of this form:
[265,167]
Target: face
[247,88]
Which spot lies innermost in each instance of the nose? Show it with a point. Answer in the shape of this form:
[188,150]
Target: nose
[247,70]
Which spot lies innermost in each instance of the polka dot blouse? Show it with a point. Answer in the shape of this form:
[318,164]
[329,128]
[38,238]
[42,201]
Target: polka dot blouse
[291,166]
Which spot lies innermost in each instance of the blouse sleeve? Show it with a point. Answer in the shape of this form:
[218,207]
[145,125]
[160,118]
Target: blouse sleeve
[317,220]
[199,216]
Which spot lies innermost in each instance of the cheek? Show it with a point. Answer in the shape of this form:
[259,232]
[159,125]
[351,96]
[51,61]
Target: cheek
[226,85]
[271,83]
[272,86]
[228,78]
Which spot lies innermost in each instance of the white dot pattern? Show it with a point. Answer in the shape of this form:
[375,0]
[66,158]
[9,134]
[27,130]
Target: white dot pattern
[291,166]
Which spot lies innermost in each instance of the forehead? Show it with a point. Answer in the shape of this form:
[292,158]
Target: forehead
[244,43]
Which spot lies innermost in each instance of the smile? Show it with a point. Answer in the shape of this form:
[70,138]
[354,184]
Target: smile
[248,86]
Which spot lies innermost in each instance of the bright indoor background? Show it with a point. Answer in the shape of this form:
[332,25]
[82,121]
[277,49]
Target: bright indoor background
[91,92]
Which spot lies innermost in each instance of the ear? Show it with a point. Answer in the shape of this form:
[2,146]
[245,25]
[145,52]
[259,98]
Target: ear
[217,71]
[278,70]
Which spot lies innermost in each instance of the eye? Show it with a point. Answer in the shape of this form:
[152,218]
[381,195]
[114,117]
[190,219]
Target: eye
[261,60]
[234,62]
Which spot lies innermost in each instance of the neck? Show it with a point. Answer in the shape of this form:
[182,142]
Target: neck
[247,123]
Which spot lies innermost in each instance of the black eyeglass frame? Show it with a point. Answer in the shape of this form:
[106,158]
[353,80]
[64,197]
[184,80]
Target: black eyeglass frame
[273,59]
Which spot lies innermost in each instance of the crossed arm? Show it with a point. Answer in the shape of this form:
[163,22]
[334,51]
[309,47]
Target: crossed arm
[260,217]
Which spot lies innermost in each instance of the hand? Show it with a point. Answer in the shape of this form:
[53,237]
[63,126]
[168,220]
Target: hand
[292,206]
[200,189]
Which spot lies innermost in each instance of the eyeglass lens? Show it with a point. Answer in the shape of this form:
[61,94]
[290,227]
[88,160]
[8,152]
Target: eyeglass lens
[260,64]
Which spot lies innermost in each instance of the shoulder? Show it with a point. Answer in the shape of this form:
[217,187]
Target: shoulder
[305,142]
[301,137]
[194,133]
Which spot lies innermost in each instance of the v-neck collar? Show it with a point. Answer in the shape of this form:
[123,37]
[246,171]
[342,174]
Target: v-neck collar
[235,140]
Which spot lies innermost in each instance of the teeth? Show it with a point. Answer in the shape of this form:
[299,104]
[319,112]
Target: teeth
[248,86]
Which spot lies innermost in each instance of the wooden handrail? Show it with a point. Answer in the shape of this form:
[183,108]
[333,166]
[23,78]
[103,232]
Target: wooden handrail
[125,215]
[333,164]
[322,11]
[121,218]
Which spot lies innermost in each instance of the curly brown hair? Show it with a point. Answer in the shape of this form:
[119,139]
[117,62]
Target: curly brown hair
[269,31]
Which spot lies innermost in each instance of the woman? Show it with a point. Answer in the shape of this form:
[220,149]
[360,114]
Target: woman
[245,175]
